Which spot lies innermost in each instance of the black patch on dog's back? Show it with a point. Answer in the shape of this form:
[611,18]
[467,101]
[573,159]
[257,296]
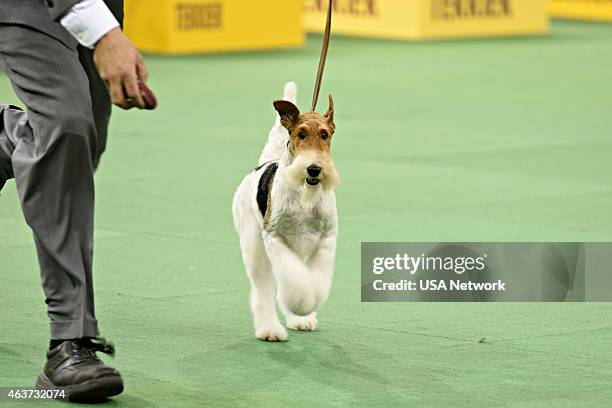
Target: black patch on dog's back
[263,189]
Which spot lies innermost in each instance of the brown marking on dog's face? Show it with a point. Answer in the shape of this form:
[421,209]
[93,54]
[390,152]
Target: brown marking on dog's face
[307,131]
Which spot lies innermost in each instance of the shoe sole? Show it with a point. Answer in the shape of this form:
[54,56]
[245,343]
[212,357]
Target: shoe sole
[98,389]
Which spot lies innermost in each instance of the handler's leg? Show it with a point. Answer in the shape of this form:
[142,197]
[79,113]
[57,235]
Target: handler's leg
[52,164]
[54,147]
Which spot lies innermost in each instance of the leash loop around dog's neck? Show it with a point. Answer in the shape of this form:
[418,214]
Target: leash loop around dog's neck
[323,59]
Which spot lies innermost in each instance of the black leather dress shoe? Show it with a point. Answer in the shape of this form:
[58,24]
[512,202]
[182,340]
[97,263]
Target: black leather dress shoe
[74,368]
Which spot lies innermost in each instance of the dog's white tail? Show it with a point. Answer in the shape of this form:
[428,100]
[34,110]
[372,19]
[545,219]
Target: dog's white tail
[278,137]
[290,92]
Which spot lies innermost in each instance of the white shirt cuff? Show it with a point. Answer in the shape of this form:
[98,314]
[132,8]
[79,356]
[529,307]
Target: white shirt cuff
[88,21]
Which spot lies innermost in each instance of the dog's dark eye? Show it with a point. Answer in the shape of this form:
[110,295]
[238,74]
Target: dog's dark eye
[324,136]
[302,135]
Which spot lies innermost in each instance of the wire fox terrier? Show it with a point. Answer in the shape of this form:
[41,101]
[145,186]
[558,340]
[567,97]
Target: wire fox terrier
[285,214]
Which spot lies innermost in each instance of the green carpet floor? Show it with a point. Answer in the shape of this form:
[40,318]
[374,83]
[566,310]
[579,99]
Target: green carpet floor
[505,139]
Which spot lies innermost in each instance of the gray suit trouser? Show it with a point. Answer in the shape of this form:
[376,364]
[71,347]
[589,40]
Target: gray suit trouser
[52,152]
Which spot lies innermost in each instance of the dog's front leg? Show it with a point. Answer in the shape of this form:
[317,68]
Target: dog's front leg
[263,305]
[321,266]
[265,318]
[296,289]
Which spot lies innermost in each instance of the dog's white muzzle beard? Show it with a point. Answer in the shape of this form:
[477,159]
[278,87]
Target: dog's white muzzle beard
[296,174]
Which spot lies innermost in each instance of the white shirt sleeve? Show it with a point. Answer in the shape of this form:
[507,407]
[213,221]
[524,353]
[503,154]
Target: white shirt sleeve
[88,21]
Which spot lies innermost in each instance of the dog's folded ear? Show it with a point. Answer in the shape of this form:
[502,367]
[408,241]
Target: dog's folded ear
[289,113]
[329,115]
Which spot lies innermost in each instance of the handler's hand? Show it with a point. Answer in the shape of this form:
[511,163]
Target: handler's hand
[120,65]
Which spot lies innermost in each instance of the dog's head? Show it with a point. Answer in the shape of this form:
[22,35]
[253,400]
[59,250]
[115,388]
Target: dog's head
[310,137]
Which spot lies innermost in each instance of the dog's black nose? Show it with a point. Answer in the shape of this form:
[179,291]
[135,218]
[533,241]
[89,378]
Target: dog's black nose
[314,171]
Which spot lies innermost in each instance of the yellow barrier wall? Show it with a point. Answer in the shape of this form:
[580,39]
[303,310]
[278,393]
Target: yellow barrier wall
[199,26]
[429,19]
[598,10]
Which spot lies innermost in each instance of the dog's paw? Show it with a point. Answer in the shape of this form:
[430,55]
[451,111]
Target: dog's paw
[302,323]
[273,332]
